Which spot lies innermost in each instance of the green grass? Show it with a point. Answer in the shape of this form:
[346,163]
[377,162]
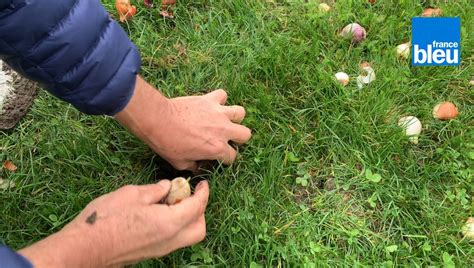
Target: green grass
[277,58]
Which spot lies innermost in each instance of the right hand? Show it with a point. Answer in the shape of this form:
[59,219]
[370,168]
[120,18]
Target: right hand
[200,128]
[124,227]
[185,130]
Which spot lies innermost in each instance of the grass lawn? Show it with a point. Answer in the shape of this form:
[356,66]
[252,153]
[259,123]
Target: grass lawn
[299,192]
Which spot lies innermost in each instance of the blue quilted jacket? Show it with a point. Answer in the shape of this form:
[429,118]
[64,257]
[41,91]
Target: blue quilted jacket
[73,49]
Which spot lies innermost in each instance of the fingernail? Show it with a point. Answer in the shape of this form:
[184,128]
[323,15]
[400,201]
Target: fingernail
[201,184]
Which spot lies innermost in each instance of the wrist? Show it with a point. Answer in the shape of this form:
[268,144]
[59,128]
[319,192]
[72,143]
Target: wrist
[73,246]
[144,111]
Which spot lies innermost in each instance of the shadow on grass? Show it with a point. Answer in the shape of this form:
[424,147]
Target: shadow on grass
[164,170]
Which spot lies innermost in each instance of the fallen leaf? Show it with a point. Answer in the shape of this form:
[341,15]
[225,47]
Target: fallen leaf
[168,2]
[9,166]
[167,14]
[166,8]
[292,128]
[181,50]
[125,9]
[5,184]
[148,3]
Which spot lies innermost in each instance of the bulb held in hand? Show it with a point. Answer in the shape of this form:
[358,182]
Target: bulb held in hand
[180,190]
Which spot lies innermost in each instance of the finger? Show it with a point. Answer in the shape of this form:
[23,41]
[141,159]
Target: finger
[235,113]
[239,134]
[191,208]
[186,165]
[154,193]
[228,156]
[192,234]
[219,96]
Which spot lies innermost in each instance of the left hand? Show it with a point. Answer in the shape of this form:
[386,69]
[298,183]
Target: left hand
[124,227]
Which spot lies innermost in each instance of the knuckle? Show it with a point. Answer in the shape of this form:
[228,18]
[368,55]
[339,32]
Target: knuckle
[180,166]
[215,149]
[127,188]
[233,157]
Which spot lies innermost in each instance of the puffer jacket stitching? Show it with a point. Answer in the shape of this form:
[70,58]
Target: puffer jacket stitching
[56,27]
[31,62]
[54,79]
[50,79]
[9,8]
[112,78]
[91,49]
[6,6]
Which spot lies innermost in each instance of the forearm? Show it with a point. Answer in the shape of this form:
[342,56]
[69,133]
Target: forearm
[76,247]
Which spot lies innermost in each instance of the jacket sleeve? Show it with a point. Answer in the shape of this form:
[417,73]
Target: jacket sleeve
[11,259]
[73,49]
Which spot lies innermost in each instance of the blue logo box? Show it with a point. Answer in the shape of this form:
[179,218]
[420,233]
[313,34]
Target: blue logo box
[436,41]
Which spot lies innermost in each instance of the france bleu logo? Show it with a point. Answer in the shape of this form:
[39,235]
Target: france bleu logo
[436,41]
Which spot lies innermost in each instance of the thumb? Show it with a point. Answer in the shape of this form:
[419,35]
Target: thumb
[154,193]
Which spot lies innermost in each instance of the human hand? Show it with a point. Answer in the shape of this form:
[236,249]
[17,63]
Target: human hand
[188,129]
[124,227]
